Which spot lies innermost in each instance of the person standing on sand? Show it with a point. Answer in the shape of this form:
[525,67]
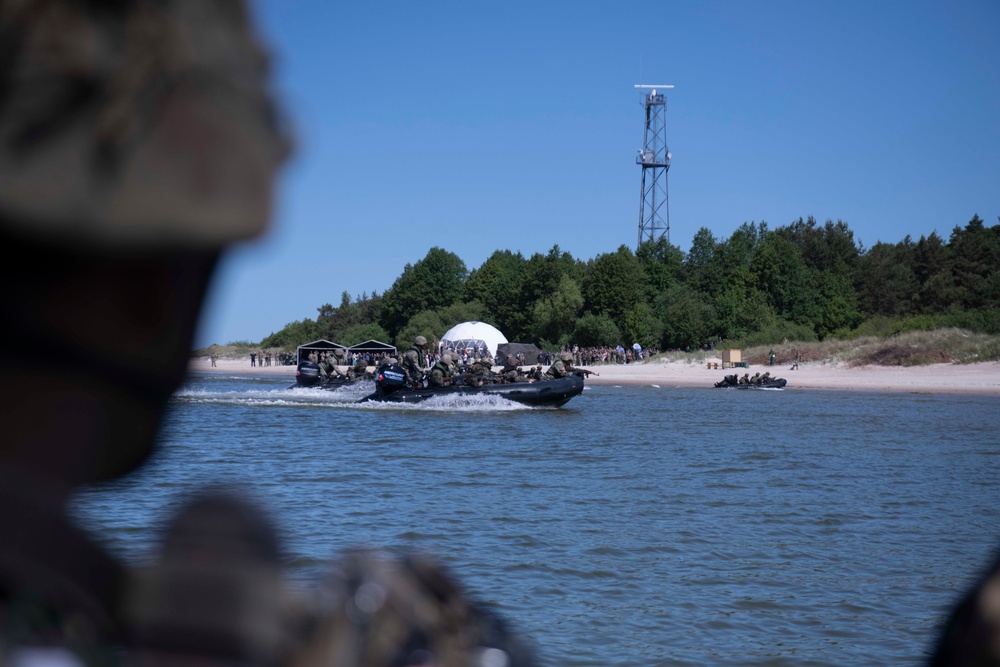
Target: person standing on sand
[771,356]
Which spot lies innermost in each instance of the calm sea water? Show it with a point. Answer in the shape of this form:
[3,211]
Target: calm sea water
[635,525]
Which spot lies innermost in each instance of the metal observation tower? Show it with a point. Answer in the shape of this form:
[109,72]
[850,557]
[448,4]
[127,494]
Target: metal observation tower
[654,158]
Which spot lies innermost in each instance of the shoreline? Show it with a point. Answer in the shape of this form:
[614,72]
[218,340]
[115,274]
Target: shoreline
[981,379]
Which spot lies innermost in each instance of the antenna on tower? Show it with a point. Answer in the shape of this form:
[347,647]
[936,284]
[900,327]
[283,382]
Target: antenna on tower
[654,158]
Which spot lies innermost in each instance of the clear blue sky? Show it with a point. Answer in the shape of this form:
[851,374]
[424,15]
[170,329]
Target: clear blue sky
[515,125]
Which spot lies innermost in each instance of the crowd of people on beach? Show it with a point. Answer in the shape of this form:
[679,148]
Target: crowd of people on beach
[594,356]
[264,358]
[472,357]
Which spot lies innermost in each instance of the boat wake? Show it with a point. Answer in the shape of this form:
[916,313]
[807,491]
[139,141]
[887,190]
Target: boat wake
[345,397]
[272,396]
[454,403]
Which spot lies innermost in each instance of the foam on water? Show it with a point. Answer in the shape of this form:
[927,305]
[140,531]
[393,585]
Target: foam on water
[454,403]
[272,397]
[345,397]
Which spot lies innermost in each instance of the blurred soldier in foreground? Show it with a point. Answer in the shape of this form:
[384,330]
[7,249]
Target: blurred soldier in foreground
[971,636]
[137,139]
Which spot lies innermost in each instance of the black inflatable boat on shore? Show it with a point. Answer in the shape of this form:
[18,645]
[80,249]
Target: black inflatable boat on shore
[391,387]
[732,382]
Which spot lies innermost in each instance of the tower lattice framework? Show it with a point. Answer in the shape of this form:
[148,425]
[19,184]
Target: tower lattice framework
[654,158]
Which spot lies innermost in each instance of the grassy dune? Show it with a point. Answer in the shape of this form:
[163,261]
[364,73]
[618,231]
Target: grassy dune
[912,348]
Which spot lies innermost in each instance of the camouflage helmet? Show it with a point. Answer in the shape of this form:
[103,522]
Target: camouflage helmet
[420,340]
[339,351]
[128,168]
[447,358]
[566,356]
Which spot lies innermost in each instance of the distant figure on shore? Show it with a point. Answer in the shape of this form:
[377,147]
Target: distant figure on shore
[772,356]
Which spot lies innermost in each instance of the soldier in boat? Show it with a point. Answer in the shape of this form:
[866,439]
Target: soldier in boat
[510,371]
[328,366]
[561,367]
[481,372]
[442,372]
[414,362]
[359,371]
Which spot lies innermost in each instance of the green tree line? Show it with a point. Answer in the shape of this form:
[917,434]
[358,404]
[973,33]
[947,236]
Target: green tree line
[803,281]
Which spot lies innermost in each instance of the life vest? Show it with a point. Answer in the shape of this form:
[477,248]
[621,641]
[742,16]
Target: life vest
[442,369]
[421,360]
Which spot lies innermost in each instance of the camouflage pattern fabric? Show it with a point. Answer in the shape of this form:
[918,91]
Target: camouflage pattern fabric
[135,124]
[383,610]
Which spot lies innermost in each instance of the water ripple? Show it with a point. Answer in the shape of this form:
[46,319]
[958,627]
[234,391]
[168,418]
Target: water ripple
[635,526]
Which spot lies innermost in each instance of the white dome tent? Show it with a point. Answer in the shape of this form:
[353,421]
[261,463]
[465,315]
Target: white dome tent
[475,336]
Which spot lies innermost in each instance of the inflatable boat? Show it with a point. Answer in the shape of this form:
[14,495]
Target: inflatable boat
[391,386]
[732,382]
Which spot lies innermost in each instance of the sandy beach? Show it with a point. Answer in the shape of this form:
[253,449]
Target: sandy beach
[982,378]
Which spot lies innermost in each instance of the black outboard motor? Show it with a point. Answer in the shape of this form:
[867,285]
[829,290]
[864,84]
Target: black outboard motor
[307,374]
[390,378]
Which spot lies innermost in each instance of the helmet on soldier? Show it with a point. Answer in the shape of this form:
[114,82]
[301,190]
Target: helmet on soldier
[420,340]
[566,356]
